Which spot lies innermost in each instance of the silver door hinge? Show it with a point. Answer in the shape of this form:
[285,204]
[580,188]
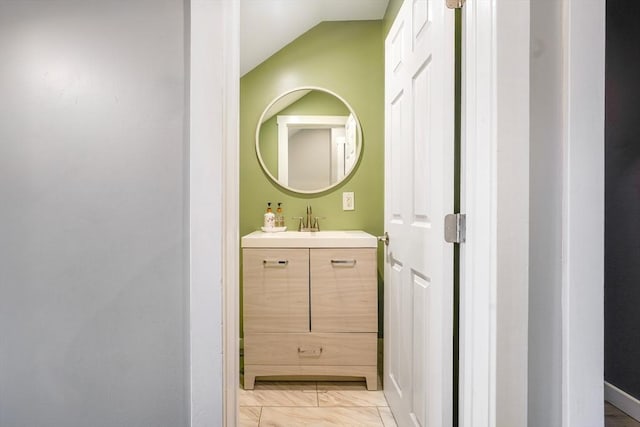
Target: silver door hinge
[455,4]
[455,228]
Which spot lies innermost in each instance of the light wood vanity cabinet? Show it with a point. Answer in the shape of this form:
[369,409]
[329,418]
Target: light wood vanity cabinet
[310,312]
[344,290]
[276,290]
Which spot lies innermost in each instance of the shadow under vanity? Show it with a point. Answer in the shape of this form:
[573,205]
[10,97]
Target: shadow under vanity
[310,305]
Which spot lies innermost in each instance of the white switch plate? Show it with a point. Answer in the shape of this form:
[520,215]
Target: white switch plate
[348,201]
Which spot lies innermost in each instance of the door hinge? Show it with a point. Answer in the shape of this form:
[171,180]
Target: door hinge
[455,4]
[455,228]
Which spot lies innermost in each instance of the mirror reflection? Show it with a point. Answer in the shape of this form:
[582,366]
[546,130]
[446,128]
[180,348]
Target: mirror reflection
[308,140]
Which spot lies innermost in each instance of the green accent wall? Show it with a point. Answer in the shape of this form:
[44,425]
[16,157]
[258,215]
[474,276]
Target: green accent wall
[346,57]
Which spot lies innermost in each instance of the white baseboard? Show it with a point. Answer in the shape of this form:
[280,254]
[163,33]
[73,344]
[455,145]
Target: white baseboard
[621,400]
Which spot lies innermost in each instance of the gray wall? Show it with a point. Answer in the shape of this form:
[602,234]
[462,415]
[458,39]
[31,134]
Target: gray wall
[93,289]
[622,200]
[545,230]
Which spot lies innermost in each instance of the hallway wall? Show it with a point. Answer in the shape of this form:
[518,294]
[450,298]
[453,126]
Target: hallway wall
[93,223]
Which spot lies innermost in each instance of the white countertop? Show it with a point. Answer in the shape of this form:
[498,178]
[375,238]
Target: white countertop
[310,239]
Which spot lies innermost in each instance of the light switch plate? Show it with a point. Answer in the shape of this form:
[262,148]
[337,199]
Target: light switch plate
[348,201]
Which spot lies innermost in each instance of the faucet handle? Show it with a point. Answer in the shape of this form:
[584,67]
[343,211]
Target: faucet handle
[316,223]
[301,218]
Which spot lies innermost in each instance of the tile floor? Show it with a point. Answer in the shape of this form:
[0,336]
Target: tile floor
[293,403]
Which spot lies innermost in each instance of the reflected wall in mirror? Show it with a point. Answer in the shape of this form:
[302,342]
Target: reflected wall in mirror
[308,140]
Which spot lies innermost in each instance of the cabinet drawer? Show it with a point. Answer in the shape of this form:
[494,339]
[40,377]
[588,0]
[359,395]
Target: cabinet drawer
[311,349]
[344,290]
[276,290]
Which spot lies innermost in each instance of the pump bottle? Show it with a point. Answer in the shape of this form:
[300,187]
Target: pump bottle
[279,216]
[269,217]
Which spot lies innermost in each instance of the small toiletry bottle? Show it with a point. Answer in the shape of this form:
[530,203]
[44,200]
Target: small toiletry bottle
[269,217]
[279,216]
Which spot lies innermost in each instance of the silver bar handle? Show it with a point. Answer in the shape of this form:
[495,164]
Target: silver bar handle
[343,262]
[275,263]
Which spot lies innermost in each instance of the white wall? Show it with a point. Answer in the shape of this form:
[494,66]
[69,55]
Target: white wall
[93,277]
[545,228]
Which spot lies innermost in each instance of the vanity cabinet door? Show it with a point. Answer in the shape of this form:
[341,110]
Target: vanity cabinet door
[344,290]
[276,290]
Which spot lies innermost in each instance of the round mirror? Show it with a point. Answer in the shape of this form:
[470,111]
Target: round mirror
[308,140]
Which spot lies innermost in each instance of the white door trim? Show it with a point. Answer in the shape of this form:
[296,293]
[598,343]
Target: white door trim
[583,214]
[214,78]
[231,213]
[477,393]
[494,259]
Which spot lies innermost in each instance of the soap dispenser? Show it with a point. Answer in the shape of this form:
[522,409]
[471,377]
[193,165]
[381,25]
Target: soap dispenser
[279,216]
[269,217]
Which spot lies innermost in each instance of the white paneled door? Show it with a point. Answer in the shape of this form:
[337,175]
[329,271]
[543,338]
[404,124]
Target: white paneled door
[419,162]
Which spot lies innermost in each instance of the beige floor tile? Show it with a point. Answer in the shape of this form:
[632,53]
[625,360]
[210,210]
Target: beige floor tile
[279,394]
[277,398]
[325,417]
[249,416]
[387,417]
[351,398]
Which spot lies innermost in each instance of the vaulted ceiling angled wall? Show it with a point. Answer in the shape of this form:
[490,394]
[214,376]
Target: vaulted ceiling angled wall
[266,26]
